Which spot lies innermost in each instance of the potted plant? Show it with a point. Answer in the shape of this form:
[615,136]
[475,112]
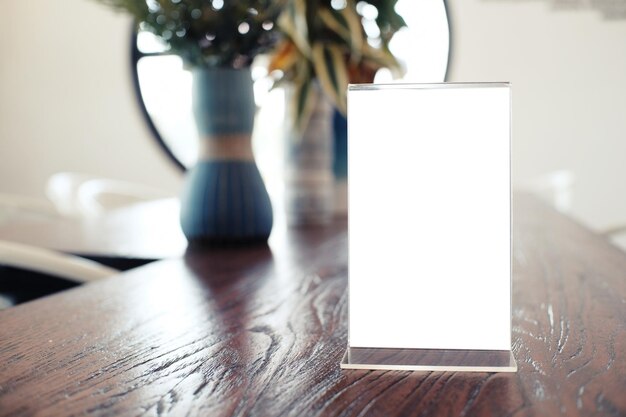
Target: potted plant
[327,44]
[224,199]
[333,42]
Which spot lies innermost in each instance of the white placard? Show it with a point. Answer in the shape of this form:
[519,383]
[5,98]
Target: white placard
[429,216]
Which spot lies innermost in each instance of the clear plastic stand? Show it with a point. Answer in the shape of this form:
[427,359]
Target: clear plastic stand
[429,227]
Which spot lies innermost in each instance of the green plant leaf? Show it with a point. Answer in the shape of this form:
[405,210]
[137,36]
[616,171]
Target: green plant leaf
[335,22]
[300,96]
[357,35]
[382,58]
[303,104]
[293,22]
[330,68]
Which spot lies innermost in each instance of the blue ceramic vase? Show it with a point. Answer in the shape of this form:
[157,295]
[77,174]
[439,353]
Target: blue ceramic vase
[340,163]
[340,146]
[224,199]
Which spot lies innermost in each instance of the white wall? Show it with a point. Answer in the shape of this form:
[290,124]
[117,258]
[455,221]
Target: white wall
[67,101]
[568,70]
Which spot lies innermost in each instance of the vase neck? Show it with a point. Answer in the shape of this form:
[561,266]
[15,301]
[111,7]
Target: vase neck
[223,101]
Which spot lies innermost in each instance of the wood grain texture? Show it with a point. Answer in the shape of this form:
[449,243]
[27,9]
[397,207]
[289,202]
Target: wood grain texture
[261,331]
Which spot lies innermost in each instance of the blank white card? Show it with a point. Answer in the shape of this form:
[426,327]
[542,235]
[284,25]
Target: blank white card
[429,216]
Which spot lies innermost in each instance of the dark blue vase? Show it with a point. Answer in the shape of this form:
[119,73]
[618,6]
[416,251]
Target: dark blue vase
[224,199]
[340,146]
[340,163]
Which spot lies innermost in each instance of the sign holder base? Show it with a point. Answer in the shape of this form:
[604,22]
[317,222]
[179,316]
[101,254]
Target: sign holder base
[429,360]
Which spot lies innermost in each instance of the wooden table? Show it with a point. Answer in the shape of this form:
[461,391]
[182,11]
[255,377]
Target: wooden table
[261,331]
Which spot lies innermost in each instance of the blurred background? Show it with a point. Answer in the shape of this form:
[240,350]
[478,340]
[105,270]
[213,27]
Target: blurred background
[67,100]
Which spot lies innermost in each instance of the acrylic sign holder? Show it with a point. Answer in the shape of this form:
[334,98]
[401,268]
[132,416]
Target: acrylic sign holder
[429,227]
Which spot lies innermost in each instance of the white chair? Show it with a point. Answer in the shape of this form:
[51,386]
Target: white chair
[555,188]
[77,194]
[70,194]
[49,262]
[617,235]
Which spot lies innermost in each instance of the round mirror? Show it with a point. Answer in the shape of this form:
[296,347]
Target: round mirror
[164,87]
